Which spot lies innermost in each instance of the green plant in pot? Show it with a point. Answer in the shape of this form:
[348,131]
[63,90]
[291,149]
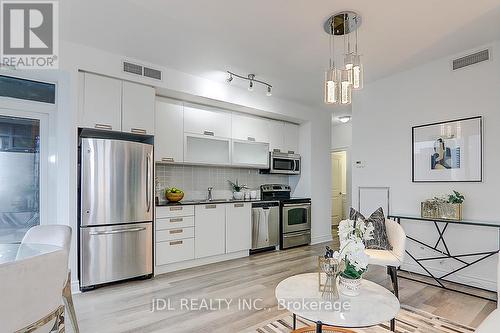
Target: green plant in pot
[237,189]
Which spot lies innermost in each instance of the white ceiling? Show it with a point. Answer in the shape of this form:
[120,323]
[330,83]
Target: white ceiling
[281,41]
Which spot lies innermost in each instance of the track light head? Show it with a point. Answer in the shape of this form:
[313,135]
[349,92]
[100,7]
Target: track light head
[250,86]
[229,78]
[269,91]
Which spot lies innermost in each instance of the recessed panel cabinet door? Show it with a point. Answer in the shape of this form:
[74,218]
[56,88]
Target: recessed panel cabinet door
[291,138]
[207,122]
[276,135]
[210,222]
[169,131]
[238,227]
[102,103]
[138,106]
[249,128]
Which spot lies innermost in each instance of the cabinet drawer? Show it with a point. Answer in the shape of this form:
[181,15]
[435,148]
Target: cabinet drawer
[174,234]
[174,211]
[174,222]
[174,251]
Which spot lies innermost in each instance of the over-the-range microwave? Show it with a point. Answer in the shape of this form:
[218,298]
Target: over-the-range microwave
[283,163]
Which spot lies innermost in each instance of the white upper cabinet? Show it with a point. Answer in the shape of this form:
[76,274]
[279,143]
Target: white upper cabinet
[205,149]
[291,138]
[249,128]
[138,108]
[276,135]
[169,131]
[250,154]
[101,103]
[207,122]
[238,227]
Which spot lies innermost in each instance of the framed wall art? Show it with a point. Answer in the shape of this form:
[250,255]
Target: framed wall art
[448,151]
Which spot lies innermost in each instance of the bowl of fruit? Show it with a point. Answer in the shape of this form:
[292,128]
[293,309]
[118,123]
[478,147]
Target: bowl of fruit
[174,194]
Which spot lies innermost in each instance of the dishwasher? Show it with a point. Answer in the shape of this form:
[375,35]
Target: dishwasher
[265,225]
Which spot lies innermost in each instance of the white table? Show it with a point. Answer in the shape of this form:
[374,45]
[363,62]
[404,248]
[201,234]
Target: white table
[14,252]
[373,306]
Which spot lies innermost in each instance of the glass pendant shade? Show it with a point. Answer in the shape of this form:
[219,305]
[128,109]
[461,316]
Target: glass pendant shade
[345,86]
[332,87]
[357,73]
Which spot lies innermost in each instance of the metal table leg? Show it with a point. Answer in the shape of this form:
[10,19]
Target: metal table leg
[319,327]
[393,325]
[294,324]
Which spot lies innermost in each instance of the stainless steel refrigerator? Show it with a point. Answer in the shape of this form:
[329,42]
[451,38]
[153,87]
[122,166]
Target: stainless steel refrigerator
[116,211]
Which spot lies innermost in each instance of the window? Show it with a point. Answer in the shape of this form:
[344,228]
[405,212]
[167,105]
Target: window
[19,177]
[26,89]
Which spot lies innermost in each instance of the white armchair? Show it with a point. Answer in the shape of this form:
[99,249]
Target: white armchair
[31,293]
[492,323]
[394,258]
[57,235]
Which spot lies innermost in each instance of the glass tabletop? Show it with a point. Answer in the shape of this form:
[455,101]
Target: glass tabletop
[14,252]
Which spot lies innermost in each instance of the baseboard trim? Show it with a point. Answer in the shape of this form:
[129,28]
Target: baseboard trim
[198,262]
[321,239]
[469,280]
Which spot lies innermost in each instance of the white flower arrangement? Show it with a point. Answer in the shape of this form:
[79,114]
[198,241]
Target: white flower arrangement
[352,248]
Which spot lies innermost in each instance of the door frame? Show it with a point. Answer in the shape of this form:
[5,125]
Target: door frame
[348,176]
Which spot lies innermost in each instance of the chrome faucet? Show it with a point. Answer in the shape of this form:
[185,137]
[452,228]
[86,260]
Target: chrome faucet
[209,198]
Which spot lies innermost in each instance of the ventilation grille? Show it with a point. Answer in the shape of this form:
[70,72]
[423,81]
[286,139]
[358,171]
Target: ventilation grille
[152,73]
[132,68]
[471,59]
[136,69]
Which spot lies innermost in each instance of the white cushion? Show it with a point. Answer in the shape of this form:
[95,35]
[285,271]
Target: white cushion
[491,324]
[382,258]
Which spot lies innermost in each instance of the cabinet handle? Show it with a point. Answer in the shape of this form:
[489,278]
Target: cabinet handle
[210,206]
[176,231]
[138,130]
[167,159]
[175,208]
[251,139]
[275,150]
[239,205]
[209,133]
[291,152]
[103,126]
[179,219]
[176,243]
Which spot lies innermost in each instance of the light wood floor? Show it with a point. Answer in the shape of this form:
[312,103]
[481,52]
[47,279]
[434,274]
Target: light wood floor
[126,307]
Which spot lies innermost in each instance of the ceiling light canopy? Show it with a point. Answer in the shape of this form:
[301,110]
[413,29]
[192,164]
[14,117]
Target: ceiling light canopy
[341,80]
[251,81]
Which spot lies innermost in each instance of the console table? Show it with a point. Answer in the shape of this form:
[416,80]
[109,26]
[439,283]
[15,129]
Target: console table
[446,254]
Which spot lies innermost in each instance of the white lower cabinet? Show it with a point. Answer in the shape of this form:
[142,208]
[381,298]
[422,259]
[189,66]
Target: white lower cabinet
[175,250]
[238,227]
[210,222]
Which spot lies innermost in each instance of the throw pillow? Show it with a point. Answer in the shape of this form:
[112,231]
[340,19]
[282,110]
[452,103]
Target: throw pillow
[380,240]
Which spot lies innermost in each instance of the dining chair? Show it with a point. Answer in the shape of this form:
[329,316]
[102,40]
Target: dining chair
[492,323]
[392,259]
[31,293]
[58,235]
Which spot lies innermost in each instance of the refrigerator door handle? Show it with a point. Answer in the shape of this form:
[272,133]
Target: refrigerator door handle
[148,181]
[117,231]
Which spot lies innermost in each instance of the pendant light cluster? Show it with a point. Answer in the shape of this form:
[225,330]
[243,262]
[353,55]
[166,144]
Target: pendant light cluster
[251,81]
[341,80]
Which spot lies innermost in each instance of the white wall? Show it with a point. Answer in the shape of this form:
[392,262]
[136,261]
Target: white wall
[383,115]
[315,126]
[341,136]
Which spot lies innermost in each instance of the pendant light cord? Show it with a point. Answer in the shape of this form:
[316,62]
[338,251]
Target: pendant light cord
[332,49]
[357,28]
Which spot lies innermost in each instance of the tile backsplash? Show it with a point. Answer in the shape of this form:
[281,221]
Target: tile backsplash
[194,180]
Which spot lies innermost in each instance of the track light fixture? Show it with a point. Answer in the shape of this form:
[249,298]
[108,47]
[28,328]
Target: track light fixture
[251,83]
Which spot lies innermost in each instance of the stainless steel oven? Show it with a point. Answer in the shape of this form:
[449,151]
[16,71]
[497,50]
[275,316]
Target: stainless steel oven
[296,217]
[283,163]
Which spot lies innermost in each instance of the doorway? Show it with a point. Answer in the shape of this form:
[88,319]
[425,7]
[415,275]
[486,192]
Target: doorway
[339,187]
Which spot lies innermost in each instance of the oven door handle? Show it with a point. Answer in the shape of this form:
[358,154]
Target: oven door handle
[305,205]
[296,234]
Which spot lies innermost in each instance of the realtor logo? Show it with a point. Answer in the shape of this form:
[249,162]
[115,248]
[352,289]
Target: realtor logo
[29,34]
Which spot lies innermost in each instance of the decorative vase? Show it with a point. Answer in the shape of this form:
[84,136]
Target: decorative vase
[349,287]
[329,269]
[238,195]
